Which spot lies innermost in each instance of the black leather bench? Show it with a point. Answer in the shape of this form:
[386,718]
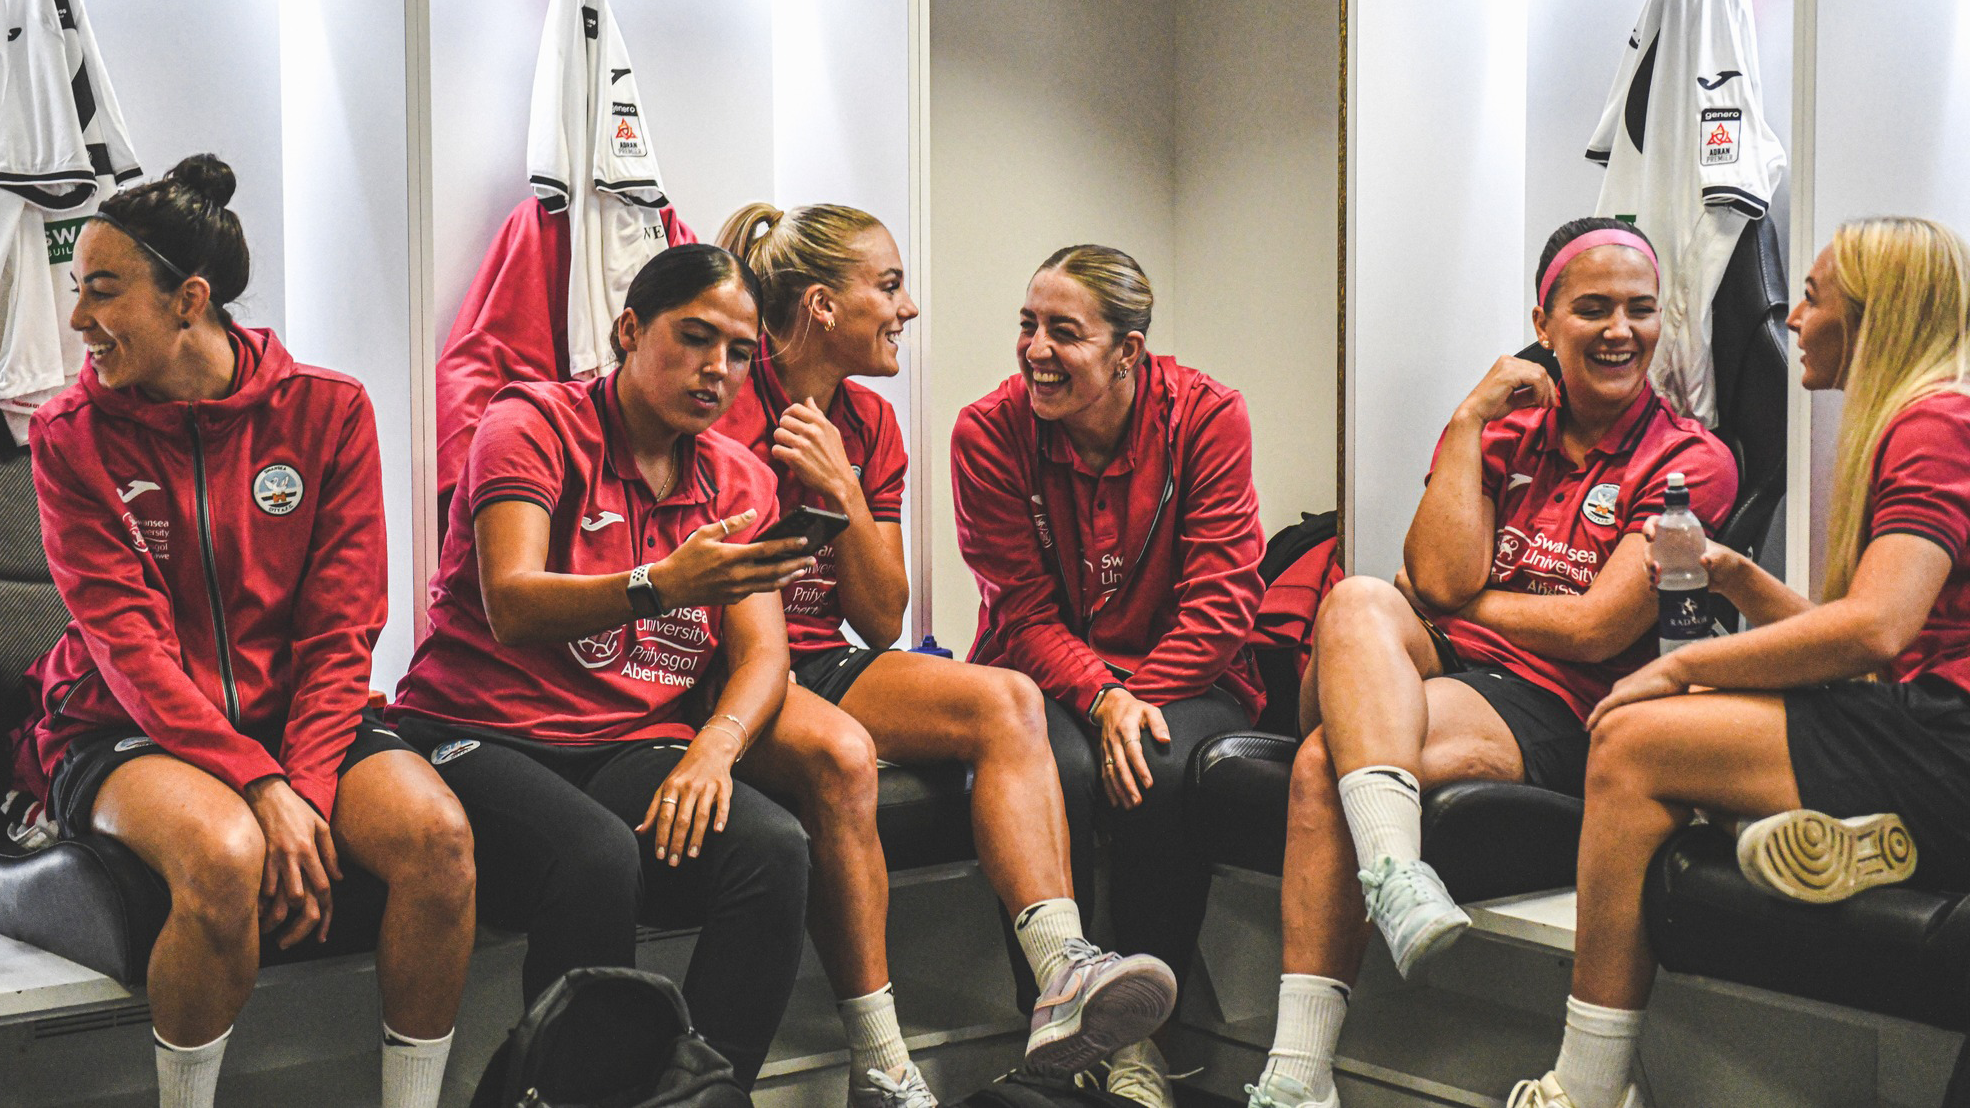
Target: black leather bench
[92,901]
[1486,839]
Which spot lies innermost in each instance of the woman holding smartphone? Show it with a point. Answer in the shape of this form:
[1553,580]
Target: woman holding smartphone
[606,643]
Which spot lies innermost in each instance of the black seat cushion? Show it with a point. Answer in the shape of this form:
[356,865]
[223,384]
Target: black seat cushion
[92,901]
[1487,839]
[923,814]
[1899,951]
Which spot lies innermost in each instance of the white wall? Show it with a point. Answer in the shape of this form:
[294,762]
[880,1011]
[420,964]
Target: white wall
[1437,141]
[1050,124]
[1252,300]
[348,265]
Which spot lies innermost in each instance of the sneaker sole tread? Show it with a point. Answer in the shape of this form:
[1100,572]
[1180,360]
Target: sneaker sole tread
[1812,857]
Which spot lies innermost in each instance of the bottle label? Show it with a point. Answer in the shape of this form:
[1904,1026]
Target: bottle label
[1683,617]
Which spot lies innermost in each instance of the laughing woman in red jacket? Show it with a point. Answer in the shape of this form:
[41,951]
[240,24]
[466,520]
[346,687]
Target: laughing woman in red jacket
[1105,505]
[214,519]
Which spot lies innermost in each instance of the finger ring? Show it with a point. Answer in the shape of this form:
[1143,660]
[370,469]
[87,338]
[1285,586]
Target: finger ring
[667,800]
[1108,763]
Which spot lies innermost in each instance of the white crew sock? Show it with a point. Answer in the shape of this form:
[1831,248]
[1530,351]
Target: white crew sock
[413,1069]
[874,1040]
[1044,927]
[1384,807]
[1597,1053]
[188,1076]
[1311,1009]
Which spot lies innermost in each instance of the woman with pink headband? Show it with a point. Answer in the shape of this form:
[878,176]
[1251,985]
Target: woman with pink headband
[1524,595]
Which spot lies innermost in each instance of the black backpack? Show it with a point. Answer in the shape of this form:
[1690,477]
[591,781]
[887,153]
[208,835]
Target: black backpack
[1020,1089]
[605,1037]
[1290,543]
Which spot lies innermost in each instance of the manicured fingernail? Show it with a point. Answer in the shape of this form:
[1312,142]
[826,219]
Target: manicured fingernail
[660,854]
[694,852]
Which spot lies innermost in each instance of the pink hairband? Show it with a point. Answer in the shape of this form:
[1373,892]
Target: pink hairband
[1609,236]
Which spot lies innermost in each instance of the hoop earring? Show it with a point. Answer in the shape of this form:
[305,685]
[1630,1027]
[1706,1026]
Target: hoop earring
[828,324]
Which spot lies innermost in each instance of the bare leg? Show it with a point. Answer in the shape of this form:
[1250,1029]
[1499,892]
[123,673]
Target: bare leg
[1322,915]
[1369,673]
[920,709]
[397,820]
[1651,763]
[818,755]
[199,834]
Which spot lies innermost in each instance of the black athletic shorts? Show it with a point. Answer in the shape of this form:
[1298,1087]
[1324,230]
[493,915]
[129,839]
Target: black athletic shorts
[1552,741]
[1860,747]
[828,673]
[88,761]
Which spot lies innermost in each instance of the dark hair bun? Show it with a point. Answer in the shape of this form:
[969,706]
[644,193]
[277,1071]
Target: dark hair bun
[206,175]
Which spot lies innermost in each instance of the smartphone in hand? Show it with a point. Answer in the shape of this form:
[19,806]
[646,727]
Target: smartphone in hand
[817,526]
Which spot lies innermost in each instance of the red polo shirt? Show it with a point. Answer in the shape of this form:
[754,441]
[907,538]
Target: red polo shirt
[562,445]
[1921,486]
[1558,525]
[874,445]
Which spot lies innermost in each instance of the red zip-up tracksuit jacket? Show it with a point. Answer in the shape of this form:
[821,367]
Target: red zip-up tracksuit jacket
[224,561]
[1151,566]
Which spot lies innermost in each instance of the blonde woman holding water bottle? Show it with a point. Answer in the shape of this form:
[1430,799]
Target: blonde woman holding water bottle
[1790,731]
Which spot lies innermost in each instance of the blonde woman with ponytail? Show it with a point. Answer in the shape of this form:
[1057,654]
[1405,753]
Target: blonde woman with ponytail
[1839,731]
[833,308]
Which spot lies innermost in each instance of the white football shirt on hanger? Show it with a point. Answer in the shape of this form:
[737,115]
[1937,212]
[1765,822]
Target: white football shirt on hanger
[590,153]
[63,147]
[1690,160]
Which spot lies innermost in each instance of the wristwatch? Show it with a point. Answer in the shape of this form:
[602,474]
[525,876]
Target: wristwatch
[644,599]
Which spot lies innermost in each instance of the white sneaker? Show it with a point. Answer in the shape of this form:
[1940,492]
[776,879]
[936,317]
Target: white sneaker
[1546,1093]
[1140,1074]
[1811,856]
[1412,909]
[1279,1091]
[902,1087]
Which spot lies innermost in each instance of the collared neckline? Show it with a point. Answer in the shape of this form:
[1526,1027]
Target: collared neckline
[690,485]
[1059,448]
[1622,437]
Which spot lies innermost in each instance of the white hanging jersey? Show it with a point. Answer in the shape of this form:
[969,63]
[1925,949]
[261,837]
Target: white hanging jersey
[1690,159]
[63,146]
[590,153]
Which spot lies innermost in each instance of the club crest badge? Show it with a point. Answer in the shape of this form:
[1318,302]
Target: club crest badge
[278,489]
[597,651]
[1599,507]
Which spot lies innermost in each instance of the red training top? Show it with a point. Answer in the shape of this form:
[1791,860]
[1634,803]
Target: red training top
[874,445]
[1921,486]
[563,446]
[1157,572]
[224,561]
[1557,525]
[512,325]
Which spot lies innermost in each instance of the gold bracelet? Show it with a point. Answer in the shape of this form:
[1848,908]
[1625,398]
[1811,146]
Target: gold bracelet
[743,743]
[745,733]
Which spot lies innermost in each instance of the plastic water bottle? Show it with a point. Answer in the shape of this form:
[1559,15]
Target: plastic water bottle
[1683,589]
[930,647]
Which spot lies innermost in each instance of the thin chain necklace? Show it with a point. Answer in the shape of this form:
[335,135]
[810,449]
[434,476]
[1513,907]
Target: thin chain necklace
[670,479]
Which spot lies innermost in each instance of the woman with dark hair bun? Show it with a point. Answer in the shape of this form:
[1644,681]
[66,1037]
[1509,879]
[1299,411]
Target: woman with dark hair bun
[1523,596]
[606,643]
[214,519]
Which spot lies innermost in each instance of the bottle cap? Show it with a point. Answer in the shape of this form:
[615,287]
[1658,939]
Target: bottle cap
[1675,480]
